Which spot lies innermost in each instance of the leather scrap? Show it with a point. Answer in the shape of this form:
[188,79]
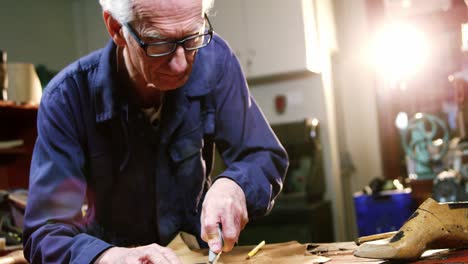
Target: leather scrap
[288,252]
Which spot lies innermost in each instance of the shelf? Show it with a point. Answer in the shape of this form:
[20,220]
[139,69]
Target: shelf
[13,105]
[12,113]
[14,151]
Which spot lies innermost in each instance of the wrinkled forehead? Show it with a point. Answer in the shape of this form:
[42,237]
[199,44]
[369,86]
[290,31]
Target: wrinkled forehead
[169,17]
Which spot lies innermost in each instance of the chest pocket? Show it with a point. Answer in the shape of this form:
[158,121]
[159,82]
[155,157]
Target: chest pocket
[186,147]
[187,163]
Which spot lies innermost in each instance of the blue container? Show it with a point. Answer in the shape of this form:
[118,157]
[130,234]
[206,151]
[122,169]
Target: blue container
[384,212]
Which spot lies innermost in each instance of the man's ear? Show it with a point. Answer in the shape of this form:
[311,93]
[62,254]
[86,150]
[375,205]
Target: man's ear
[114,28]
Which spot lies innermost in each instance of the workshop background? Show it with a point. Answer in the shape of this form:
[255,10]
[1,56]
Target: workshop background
[331,76]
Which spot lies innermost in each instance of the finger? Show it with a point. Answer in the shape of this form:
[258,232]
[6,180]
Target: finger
[244,220]
[231,231]
[154,254]
[144,257]
[210,220]
[212,235]
[170,255]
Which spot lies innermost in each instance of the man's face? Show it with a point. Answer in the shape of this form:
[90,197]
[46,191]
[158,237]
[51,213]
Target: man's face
[160,21]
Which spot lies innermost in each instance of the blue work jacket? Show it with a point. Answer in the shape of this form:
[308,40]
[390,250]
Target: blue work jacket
[143,183]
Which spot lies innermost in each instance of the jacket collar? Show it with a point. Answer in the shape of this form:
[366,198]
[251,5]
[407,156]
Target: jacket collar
[106,91]
[104,88]
[202,79]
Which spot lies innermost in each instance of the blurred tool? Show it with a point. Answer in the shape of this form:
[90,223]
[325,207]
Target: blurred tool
[365,239]
[449,186]
[459,156]
[454,187]
[301,140]
[256,249]
[213,257]
[3,76]
[425,141]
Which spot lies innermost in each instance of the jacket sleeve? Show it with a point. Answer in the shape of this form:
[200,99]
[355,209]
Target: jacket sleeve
[54,230]
[254,157]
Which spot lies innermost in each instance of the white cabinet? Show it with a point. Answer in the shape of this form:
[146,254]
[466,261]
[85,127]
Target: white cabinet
[270,37]
[228,21]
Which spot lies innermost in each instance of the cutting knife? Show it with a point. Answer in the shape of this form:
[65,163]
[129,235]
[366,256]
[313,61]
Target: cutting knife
[213,257]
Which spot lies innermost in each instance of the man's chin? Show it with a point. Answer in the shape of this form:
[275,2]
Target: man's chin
[165,85]
[163,88]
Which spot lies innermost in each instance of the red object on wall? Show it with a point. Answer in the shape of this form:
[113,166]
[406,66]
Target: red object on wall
[280,103]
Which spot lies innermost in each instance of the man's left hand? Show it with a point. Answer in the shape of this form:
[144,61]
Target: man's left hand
[225,204]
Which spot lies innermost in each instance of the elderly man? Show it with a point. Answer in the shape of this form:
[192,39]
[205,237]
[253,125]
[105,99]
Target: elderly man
[129,129]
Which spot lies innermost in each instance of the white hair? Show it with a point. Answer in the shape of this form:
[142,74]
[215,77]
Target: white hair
[208,4]
[122,10]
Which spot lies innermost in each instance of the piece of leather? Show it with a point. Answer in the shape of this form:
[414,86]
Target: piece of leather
[288,252]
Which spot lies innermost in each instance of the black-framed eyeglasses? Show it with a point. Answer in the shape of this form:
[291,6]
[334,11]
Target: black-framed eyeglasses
[163,48]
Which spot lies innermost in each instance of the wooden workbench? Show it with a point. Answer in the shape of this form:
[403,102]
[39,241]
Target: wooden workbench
[297,253]
[292,252]
[340,253]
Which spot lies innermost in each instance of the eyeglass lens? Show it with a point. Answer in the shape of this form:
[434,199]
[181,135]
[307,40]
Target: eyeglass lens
[190,43]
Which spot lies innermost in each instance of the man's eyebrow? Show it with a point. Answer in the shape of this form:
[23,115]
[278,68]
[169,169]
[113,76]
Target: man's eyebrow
[153,34]
[147,32]
[156,34]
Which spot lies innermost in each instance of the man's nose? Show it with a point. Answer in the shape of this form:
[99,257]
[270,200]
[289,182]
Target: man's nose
[178,63]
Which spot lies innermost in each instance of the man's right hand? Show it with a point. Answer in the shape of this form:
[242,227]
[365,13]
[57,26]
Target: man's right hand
[150,254]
